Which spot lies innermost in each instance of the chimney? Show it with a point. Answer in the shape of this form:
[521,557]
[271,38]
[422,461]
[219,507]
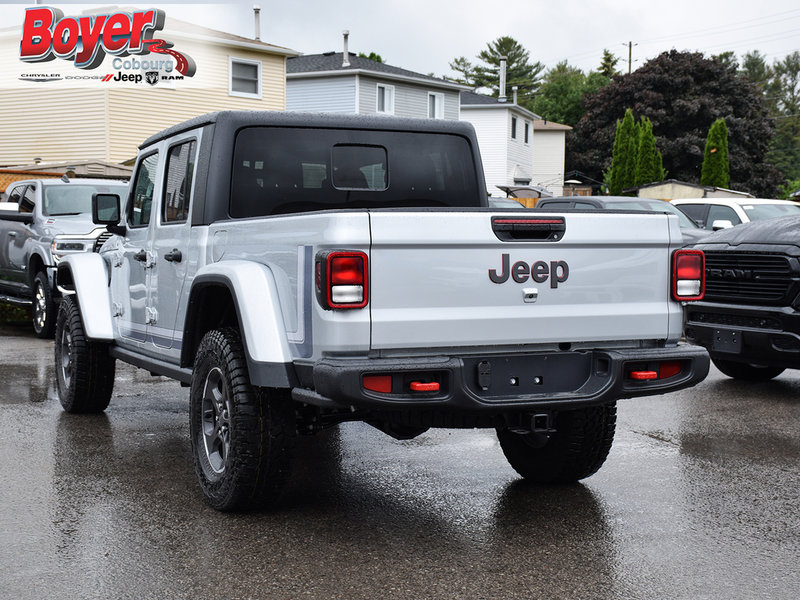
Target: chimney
[502,94]
[346,54]
[257,15]
[514,93]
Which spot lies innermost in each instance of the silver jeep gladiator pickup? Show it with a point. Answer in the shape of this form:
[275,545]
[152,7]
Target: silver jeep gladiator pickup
[298,271]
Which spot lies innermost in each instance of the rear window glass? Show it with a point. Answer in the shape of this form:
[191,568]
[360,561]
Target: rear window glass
[280,170]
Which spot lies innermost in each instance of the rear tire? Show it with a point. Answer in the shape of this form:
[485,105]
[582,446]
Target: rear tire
[84,369]
[242,436]
[746,371]
[44,309]
[577,449]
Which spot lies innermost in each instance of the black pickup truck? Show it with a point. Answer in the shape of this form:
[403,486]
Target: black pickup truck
[749,319]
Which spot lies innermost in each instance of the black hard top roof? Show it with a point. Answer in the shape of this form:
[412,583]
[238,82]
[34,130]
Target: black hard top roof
[236,119]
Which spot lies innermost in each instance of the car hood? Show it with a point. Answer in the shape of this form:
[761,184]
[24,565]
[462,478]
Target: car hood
[70,224]
[780,231]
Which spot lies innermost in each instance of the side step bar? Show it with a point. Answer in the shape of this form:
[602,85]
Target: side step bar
[16,301]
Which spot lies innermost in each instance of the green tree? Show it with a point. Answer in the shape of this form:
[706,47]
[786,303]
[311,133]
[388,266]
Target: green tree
[372,56]
[788,188]
[716,170]
[623,156]
[560,95]
[519,70]
[784,91]
[466,69]
[608,65]
[681,93]
[649,167]
[755,70]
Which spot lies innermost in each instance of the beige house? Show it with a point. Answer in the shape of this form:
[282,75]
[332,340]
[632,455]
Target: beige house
[671,189]
[91,119]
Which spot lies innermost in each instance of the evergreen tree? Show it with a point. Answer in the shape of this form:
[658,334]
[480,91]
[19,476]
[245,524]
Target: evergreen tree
[623,156]
[519,71]
[608,66]
[756,70]
[716,170]
[648,167]
[466,69]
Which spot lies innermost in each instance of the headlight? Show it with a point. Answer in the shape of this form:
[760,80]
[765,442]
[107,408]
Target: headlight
[61,248]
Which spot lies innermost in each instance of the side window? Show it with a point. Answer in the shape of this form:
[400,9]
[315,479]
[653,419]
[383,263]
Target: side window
[726,213]
[178,183]
[28,201]
[142,193]
[16,194]
[694,211]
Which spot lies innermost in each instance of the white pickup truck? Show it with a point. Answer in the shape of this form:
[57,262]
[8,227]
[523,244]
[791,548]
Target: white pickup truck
[299,271]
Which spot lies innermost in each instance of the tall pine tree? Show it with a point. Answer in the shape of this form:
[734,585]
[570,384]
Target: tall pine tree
[649,166]
[623,157]
[716,169]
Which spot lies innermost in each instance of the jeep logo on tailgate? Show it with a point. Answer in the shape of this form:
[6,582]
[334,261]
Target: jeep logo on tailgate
[557,271]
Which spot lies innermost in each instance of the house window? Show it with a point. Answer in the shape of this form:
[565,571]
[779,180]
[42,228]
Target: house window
[385,99]
[245,78]
[435,105]
[513,128]
[527,131]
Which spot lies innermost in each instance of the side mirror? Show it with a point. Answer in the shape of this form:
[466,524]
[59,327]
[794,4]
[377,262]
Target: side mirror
[9,211]
[721,224]
[105,209]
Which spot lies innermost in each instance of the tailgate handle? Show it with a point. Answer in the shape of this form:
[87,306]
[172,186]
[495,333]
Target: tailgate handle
[531,229]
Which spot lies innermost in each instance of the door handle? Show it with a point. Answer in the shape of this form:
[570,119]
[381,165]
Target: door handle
[174,256]
[12,234]
[141,256]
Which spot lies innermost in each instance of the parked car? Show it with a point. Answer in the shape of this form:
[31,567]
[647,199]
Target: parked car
[689,229]
[721,213]
[749,319]
[41,221]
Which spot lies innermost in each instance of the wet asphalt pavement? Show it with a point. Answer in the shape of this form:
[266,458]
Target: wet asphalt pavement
[699,499]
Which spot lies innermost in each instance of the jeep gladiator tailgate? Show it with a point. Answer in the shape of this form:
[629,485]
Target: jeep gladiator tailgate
[470,279]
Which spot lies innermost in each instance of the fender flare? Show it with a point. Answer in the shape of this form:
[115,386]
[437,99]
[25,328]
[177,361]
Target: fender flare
[86,276]
[255,297]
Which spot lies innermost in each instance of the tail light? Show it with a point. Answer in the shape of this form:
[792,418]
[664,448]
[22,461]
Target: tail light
[342,279]
[688,275]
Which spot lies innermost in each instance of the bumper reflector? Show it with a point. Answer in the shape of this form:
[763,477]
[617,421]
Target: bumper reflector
[668,369]
[643,375]
[418,386]
[378,383]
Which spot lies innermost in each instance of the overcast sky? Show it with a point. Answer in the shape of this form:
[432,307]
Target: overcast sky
[425,35]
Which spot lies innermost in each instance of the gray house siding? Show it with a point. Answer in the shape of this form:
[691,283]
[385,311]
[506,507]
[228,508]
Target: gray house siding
[336,94]
[410,100]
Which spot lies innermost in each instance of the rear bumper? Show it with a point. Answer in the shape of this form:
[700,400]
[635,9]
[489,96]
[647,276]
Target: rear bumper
[506,382]
[765,336]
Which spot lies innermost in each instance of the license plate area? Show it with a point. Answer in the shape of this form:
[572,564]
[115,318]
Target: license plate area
[727,340]
[505,377]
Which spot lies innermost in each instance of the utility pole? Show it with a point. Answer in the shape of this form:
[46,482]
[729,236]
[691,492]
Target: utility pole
[630,46]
